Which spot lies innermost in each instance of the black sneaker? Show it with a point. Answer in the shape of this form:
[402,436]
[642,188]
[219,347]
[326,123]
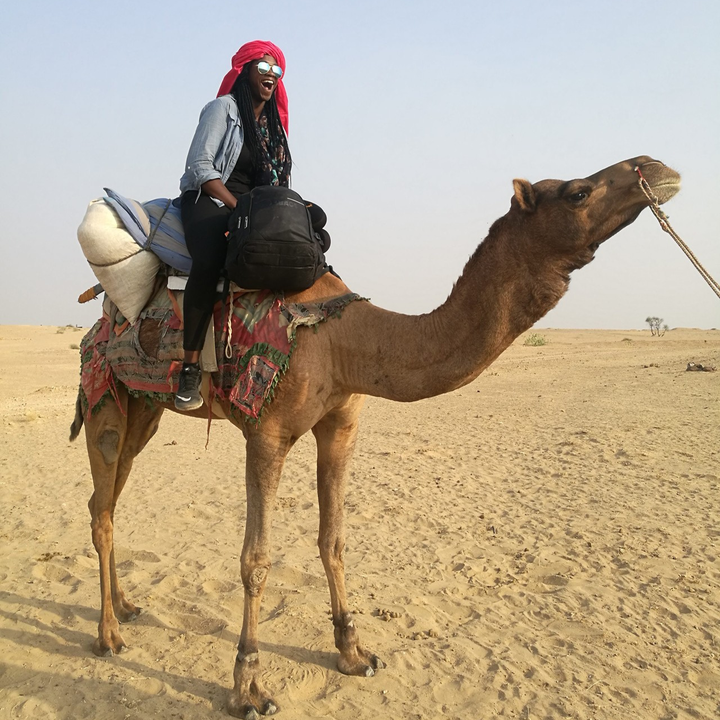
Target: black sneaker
[188,395]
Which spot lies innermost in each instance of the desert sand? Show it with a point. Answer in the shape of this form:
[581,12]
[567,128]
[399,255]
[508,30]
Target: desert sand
[543,543]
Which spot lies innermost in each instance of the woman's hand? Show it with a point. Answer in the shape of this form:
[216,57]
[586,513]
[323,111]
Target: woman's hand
[216,188]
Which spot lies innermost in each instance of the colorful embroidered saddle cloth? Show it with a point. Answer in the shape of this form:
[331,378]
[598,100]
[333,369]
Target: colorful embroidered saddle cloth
[254,340]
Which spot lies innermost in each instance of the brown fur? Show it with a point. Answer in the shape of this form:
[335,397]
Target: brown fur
[516,276]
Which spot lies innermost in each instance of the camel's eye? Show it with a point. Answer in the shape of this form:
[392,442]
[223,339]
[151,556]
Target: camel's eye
[578,197]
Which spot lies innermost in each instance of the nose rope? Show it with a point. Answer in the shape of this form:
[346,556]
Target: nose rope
[665,225]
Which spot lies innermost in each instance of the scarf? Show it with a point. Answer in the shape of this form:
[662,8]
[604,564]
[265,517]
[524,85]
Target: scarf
[274,169]
[254,51]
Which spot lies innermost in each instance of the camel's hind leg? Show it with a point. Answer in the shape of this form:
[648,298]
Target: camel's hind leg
[114,440]
[335,435]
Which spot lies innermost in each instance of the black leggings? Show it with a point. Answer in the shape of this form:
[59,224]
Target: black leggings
[205,225]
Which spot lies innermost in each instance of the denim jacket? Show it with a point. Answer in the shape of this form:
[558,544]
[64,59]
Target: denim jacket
[216,145]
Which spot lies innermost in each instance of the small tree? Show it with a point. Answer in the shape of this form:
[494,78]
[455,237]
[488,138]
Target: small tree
[656,326]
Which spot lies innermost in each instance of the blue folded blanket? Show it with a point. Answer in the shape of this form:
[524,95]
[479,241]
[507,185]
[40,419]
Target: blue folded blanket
[155,225]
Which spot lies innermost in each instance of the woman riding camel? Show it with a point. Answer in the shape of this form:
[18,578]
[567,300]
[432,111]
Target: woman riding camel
[240,143]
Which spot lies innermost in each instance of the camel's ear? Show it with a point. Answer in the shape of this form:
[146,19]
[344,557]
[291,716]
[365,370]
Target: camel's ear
[524,195]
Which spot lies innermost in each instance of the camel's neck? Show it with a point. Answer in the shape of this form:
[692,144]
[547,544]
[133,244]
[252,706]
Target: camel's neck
[504,289]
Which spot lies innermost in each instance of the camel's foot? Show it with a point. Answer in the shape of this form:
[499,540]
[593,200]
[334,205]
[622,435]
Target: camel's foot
[353,660]
[109,640]
[249,699]
[125,611]
[360,662]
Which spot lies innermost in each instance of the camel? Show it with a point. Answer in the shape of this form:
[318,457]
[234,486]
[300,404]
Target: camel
[516,275]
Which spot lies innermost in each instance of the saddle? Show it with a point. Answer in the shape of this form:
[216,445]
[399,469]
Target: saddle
[251,343]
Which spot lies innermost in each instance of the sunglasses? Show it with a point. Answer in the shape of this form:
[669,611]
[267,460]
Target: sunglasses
[264,68]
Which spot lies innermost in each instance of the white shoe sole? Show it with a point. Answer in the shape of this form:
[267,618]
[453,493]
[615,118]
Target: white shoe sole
[184,406]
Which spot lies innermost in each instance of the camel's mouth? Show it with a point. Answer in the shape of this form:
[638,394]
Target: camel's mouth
[663,180]
[663,188]
[666,190]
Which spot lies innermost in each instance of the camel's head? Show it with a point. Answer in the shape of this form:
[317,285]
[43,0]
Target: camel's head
[570,220]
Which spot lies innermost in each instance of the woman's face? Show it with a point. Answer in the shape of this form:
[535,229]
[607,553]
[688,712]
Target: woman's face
[262,86]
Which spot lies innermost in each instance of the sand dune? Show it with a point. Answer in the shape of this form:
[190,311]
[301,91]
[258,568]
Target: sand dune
[543,543]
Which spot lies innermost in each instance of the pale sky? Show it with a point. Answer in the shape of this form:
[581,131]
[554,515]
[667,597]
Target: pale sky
[408,122]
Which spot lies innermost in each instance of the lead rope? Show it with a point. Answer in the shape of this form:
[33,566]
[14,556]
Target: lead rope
[228,342]
[665,225]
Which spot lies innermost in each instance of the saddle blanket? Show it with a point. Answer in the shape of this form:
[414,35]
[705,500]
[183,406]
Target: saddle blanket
[255,334]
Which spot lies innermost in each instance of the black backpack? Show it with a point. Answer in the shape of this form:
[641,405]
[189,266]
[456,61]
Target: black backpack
[272,244]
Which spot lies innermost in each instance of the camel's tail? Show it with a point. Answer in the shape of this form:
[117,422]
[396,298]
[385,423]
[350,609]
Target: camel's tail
[78,421]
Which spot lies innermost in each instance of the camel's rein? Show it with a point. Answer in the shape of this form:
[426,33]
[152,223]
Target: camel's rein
[665,225]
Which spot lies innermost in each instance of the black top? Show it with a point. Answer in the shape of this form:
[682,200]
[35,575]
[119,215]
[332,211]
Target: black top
[242,178]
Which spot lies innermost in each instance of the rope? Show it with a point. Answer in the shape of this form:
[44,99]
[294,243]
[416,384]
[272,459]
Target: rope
[151,236]
[228,344]
[115,262]
[665,225]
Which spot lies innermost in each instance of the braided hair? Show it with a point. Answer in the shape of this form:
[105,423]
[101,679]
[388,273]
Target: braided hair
[276,143]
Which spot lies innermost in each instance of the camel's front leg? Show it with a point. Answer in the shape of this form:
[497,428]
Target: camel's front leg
[335,435]
[265,459]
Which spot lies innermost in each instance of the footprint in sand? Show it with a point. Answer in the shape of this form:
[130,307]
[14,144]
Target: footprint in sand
[188,616]
[29,416]
[145,556]
[53,567]
[305,675]
[218,587]
[546,584]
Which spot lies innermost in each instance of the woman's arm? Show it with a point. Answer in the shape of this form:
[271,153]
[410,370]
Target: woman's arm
[209,138]
[215,188]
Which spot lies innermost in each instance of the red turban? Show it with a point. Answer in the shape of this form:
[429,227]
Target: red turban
[254,51]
